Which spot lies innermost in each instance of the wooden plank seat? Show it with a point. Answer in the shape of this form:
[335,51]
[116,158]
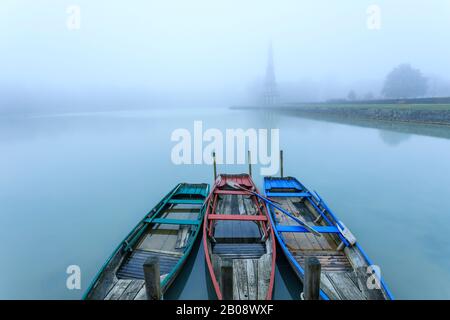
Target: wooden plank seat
[331,260]
[186,201]
[132,267]
[239,250]
[287,194]
[173,221]
[237,217]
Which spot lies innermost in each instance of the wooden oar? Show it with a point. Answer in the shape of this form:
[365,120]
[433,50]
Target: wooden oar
[234,185]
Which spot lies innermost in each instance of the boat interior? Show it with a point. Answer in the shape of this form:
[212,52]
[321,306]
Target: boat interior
[241,251]
[166,233]
[340,277]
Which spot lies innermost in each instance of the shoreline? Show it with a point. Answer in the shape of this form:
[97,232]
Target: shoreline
[429,128]
[436,114]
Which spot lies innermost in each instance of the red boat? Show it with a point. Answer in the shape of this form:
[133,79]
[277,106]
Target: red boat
[238,240]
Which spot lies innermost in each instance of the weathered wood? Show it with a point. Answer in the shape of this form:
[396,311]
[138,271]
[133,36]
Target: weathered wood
[183,236]
[241,205]
[241,284]
[118,289]
[226,279]
[107,285]
[281,163]
[249,163]
[328,288]
[141,295]
[252,279]
[307,240]
[329,260]
[249,205]
[132,290]
[369,293]
[347,289]
[214,165]
[152,278]
[311,286]
[264,268]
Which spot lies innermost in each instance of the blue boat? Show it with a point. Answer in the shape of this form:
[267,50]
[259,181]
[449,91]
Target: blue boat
[306,227]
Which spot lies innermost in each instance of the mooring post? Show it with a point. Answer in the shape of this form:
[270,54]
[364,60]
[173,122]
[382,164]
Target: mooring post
[152,280]
[281,163]
[214,165]
[311,285]
[249,163]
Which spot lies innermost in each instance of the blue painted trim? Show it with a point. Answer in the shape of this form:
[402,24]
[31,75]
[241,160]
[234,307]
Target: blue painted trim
[320,229]
[288,194]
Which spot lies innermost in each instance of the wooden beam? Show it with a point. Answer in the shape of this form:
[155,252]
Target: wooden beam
[239,217]
[311,286]
[281,163]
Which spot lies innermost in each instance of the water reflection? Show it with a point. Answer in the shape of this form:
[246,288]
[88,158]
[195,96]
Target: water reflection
[440,131]
[393,138]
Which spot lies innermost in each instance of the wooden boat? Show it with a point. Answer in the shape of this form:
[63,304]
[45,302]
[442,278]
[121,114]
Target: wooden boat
[345,268]
[167,232]
[238,241]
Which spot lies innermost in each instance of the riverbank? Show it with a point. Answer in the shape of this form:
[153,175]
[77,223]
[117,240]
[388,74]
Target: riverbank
[429,114]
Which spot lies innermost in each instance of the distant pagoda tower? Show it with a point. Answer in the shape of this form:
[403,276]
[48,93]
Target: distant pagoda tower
[270,92]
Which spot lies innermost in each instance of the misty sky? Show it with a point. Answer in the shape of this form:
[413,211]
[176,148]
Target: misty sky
[215,46]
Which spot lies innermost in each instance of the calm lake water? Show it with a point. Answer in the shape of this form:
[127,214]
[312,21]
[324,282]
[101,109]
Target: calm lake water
[72,186]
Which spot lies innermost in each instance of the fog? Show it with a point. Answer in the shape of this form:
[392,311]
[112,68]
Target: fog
[148,53]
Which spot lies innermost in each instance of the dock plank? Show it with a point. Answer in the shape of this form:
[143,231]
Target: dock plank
[264,269]
[252,280]
[182,237]
[241,283]
[132,290]
[118,289]
[345,286]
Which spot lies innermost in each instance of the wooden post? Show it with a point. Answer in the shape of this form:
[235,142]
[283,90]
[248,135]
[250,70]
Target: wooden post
[281,163]
[152,280]
[214,164]
[311,285]
[226,274]
[249,163]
